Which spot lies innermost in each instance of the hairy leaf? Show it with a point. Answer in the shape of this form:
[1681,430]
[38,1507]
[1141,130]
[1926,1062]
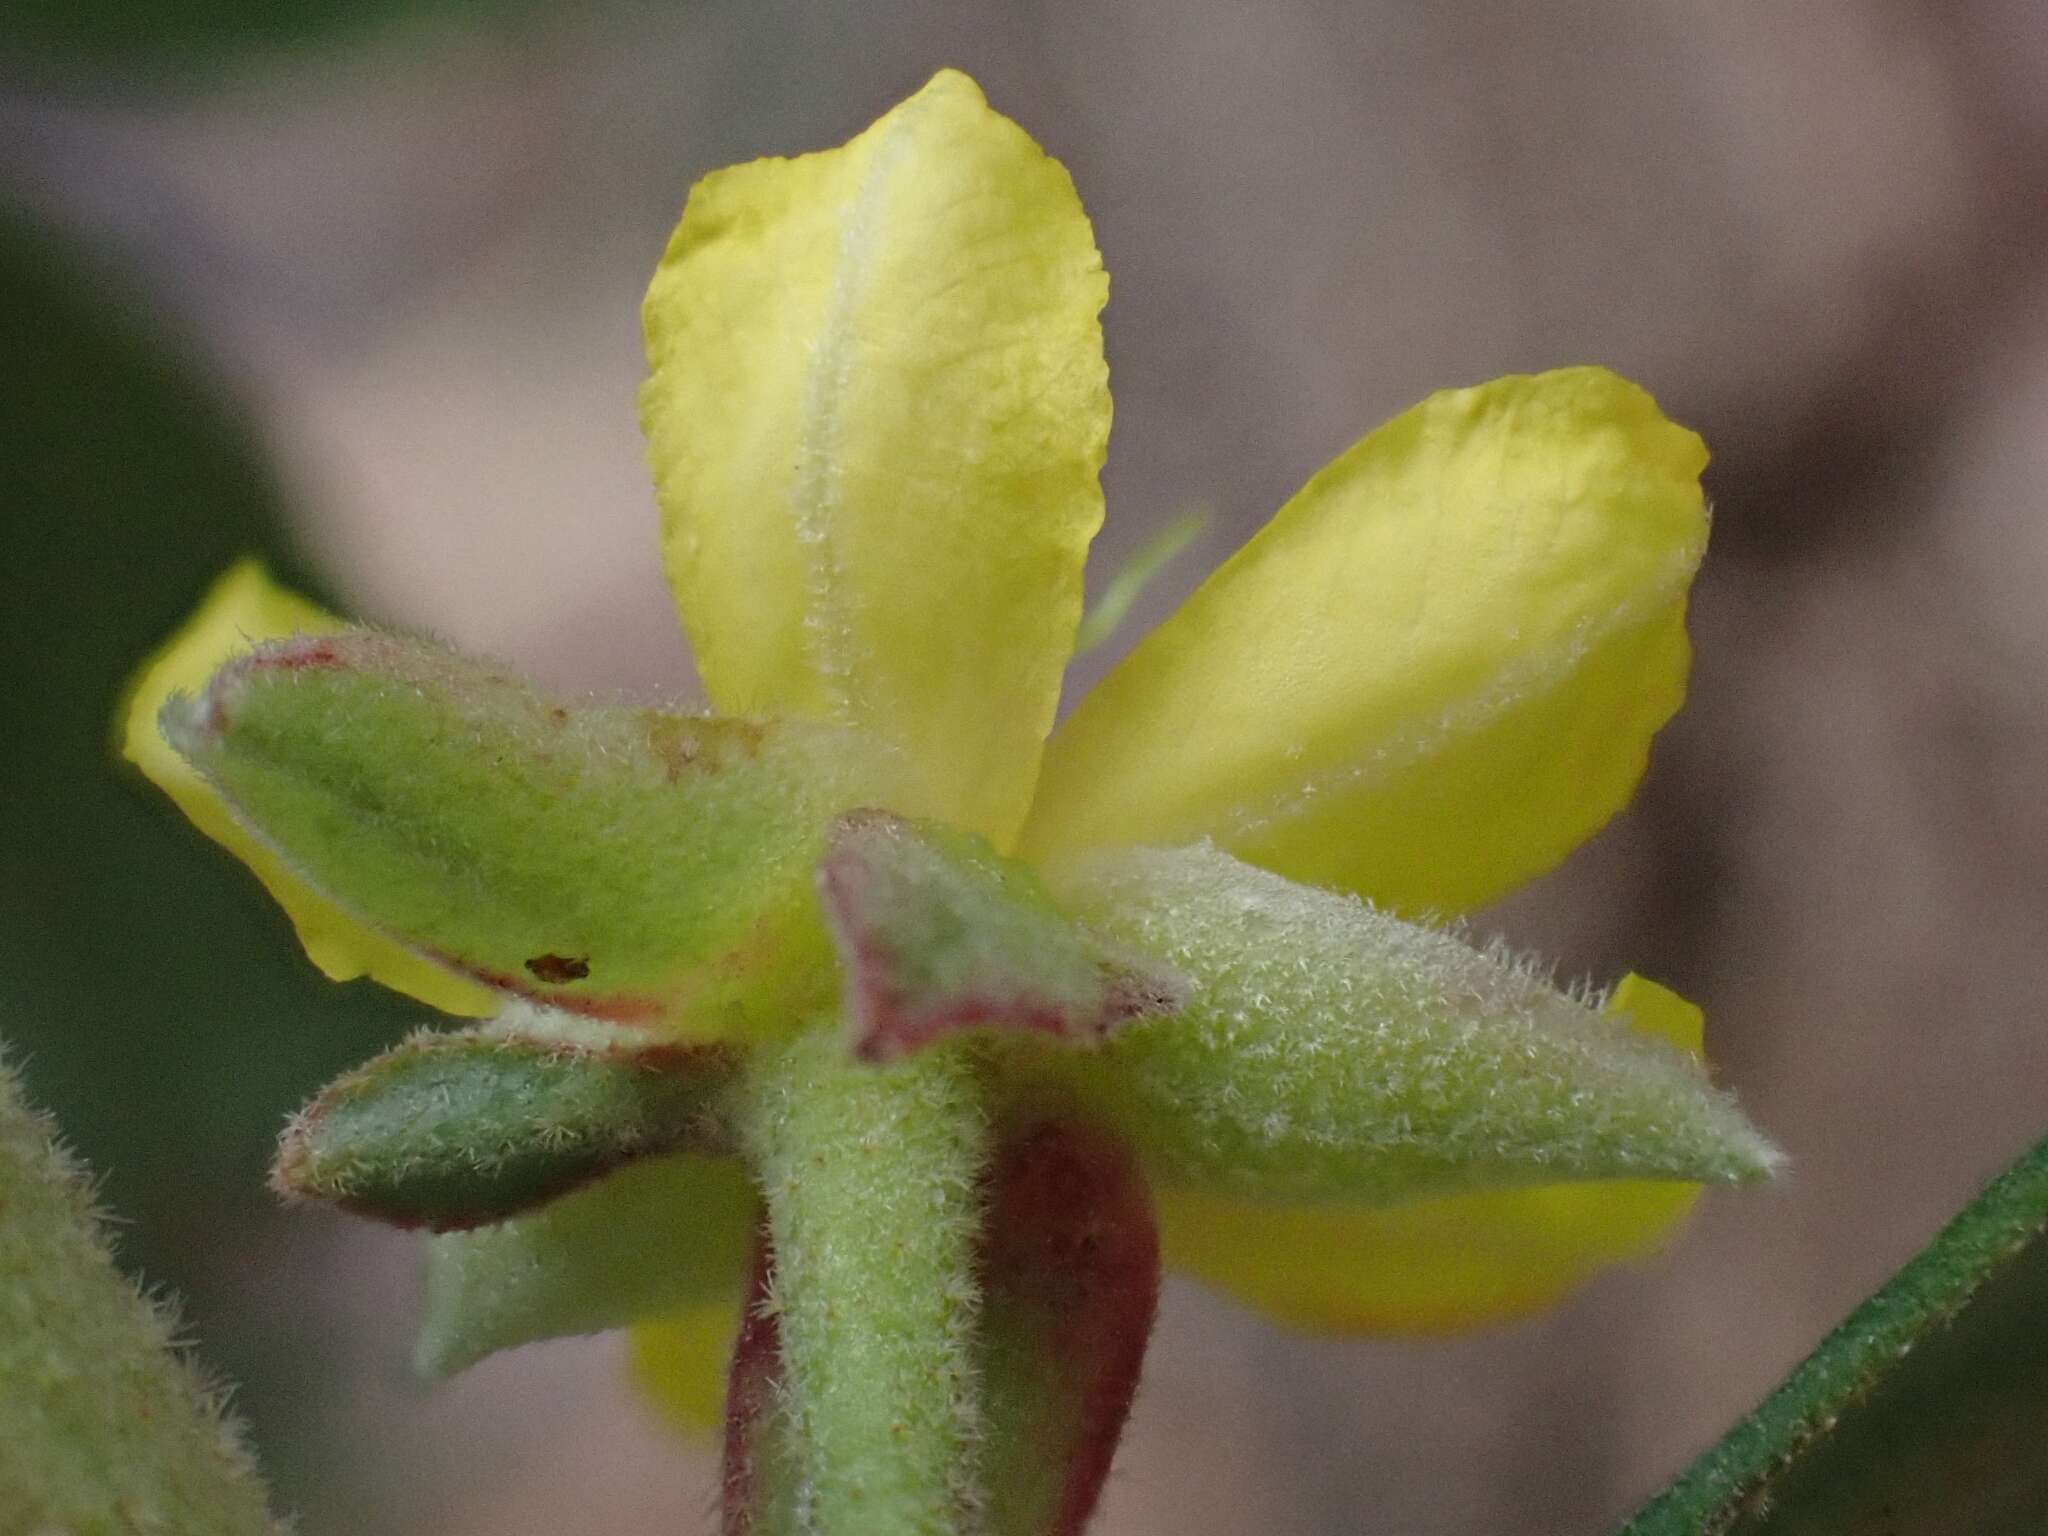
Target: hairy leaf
[102,1427]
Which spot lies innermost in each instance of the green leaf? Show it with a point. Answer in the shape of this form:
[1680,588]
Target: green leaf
[1333,1053]
[102,1426]
[452,1130]
[937,933]
[649,1239]
[1925,1411]
[622,863]
[1164,545]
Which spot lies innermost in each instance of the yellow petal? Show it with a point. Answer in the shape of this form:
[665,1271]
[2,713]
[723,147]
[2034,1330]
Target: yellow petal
[877,409]
[1437,1266]
[1657,1010]
[1433,1266]
[681,1362]
[243,607]
[1434,672]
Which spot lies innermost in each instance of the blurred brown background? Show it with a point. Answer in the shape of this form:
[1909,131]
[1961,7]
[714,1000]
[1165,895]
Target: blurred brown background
[410,256]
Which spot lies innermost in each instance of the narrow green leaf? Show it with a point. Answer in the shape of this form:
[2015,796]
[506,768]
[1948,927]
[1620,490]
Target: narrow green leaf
[656,1237]
[102,1426]
[622,863]
[937,933]
[1925,1411]
[1333,1053]
[1158,551]
[451,1130]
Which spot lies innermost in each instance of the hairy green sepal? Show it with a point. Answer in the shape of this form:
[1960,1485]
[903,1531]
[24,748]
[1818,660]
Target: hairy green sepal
[1926,1410]
[453,1130]
[102,1426]
[622,863]
[660,1236]
[1333,1053]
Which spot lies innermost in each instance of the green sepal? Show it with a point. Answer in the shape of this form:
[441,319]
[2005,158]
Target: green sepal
[1332,1053]
[938,933]
[1926,1410]
[621,863]
[453,1130]
[656,1237]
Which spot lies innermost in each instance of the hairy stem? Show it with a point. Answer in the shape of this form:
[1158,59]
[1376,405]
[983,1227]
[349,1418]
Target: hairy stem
[872,1178]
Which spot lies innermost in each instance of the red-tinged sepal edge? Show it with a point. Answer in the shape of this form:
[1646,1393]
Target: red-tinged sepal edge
[745,1479]
[625,864]
[937,933]
[1069,1277]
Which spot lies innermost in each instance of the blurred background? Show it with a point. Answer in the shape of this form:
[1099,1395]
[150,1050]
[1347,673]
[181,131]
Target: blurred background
[357,286]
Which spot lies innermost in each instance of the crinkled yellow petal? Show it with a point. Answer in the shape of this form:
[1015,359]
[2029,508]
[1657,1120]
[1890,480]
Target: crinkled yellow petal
[243,607]
[1434,672]
[876,412]
[681,1362]
[1433,1266]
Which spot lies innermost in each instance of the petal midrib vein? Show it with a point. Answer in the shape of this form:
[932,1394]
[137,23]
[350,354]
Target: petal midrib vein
[817,489]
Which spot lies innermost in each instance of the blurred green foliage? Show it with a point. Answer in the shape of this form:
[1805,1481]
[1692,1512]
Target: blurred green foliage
[101,1429]
[157,1001]
[163,36]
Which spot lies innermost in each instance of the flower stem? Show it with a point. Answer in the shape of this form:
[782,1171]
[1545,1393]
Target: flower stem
[872,1179]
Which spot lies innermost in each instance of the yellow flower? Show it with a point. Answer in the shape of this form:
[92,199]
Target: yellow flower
[1433,674]
[877,410]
